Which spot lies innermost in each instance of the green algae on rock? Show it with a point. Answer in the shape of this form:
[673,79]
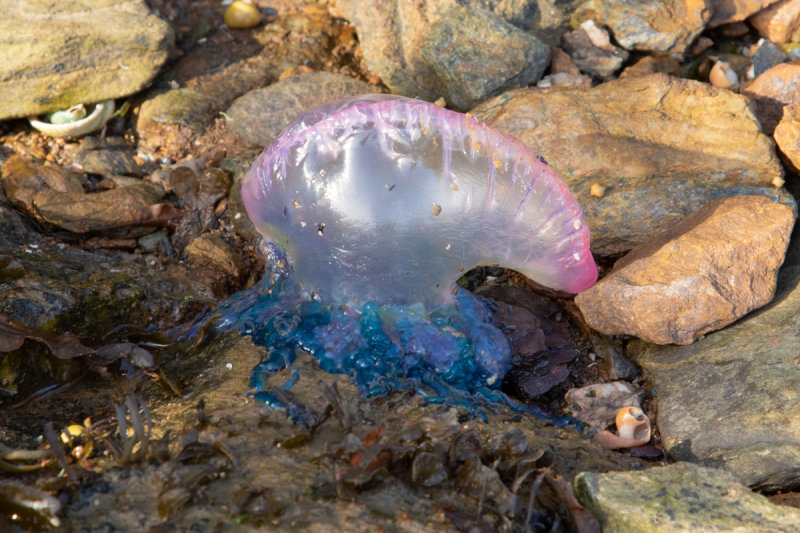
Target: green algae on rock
[678,498]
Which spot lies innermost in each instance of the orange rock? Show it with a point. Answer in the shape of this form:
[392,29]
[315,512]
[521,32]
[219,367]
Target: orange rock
[780,22]
[726,11]
[773,89]
[787,135]
[715,266]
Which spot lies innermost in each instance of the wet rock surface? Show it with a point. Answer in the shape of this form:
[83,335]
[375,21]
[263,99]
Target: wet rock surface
[661,146]
[101,59]
[680,497]
[712,268]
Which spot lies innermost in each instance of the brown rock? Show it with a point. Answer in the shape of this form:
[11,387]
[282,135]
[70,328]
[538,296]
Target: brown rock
[560,62]
[726,11]
[773,89]
[80,212]
[668,26]
[212,251]
[23,178]
[715,266]
[787,135]
[780,22]
[661,146]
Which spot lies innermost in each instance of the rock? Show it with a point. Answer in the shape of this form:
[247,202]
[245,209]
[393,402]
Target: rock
[730,400]
[474,55]
[765,55]
[661,146]
[212,251]
[772,90]
[712,268]
[23,179]
[601,61]
[780,22]
[597,405]
[727,11]
[561,63]
[787,135]
[439,48]
[111,157]
[653,65]
[562,79]
[195,185]
[58,289]
[62,53]
[80,212]
[678,498]
[668,26]
[611,353]
[259,116]
[225,66]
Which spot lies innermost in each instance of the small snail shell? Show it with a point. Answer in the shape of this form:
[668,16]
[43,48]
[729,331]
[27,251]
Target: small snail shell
[241,14]
[71,123]
[633,427]
[722,75]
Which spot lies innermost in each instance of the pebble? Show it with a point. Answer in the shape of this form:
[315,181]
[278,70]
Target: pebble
[779,22]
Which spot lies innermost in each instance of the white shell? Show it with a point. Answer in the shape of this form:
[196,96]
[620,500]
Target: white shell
[96,120]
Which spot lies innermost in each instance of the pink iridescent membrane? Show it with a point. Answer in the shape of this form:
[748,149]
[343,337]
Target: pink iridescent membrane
[390,200]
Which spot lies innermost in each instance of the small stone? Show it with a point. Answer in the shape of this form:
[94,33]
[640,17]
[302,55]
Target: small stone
[212,251]
[562,79]
[772,90]
[428,470]
[765,55]
[597,190]
[561,63]
[727,11]
[715,266]
[787,136]
[653,65]
[241,15]
[668,26]
[589,57]
[24,178]
[258,117]
[678,498]
[597,405]
[112,157]
[780,22]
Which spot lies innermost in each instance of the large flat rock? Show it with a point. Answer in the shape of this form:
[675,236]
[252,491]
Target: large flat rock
[731,399]
[57,54]
[661,146]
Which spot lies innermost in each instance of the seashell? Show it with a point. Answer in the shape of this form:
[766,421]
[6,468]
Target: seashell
[722,75]
[241,15]
[387,199]
[57,127]
[633,427]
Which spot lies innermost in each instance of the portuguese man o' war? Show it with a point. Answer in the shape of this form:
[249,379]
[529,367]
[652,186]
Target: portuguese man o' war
[374,206]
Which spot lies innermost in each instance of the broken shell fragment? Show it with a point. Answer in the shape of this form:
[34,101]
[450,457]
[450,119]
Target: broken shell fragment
[57,127]
[633,427]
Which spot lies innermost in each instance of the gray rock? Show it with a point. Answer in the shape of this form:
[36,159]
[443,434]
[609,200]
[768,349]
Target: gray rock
[57,54]
[678,498]
[475,55]
[661,146]
[668,26]
[591,59]
[730,400]
[766,55]
[258,117]
[414,46]
[111,157]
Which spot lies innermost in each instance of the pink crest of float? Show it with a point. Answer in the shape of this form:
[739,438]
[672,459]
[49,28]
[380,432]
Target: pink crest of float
[390,200]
